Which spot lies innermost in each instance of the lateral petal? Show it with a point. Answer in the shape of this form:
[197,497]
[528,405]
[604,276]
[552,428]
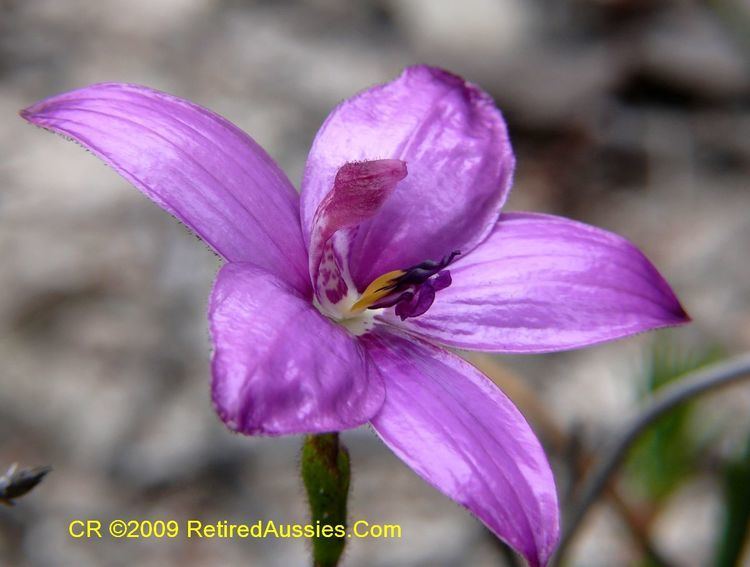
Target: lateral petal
[194,164]
[543,283]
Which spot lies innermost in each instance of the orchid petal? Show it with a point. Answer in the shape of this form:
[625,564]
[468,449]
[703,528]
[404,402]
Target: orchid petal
[459,432]
[460,161]
[359,191]
[542,283]
[194,164]
[279,366]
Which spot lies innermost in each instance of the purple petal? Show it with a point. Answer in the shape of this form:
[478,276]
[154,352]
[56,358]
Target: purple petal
[460,161]
[194,164]
[460,433]
[279,366]
[359,191]
[543,283]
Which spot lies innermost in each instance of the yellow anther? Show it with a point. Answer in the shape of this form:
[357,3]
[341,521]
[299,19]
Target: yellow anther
[378,289]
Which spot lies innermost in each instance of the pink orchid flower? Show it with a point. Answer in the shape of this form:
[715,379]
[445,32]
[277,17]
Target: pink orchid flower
[334,304]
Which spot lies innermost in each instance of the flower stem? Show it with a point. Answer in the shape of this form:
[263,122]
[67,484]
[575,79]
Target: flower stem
[326,475]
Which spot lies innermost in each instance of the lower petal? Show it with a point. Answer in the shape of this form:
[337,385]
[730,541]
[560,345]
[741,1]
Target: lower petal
[460,433]
[279,366]
[543,283]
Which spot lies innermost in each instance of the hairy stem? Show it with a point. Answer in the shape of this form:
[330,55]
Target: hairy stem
[326,475]
[692,385]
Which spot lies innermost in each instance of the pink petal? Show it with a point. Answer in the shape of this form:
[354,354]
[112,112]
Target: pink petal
[543,283]
[455,144]
[459,432]
[194,164]
[279,366]
[359,191]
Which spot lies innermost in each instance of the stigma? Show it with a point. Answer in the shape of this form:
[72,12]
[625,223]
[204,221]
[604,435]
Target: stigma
[410,292]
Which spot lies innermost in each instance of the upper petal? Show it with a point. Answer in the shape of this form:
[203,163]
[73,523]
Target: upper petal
[280,367]
[460,433]
[544,283]
[194,164]
[460,162]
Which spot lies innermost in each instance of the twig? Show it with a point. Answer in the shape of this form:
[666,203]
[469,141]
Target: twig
[17,482]
[692,385]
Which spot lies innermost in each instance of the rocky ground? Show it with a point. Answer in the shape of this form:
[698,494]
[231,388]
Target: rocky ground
[632,115]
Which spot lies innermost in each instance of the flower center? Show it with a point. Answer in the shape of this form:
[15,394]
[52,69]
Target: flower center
[411,291]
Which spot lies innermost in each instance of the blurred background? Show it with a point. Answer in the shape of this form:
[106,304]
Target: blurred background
[633,115]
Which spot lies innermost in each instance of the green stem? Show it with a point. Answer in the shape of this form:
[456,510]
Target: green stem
[326,475]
